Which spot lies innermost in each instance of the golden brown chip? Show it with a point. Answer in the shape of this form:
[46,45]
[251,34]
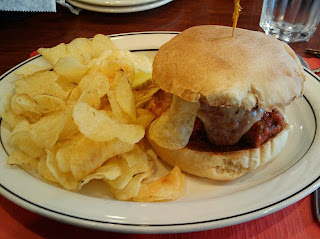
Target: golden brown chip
[169,187]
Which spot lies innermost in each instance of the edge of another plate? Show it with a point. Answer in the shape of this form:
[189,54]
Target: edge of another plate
[119,9]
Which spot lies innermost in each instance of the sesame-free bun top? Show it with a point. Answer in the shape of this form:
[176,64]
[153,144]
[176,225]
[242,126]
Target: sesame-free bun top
[206,63]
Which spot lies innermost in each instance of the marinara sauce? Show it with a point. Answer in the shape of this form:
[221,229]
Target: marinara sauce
[269,125]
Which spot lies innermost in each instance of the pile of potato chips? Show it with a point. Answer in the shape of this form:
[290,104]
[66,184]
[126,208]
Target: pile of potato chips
[81,116]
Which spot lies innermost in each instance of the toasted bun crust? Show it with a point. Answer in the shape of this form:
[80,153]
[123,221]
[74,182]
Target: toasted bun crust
[223,165]
[206,63]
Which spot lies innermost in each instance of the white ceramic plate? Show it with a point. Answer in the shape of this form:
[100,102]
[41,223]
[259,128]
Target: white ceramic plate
[204,204]
[117,8]
[113,3]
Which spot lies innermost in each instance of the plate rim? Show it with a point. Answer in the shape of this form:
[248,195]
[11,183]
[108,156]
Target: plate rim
[155,228]
[117,3]
[119,9]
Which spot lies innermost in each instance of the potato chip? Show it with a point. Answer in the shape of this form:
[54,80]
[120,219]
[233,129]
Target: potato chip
[66,180]
[132,163]
[144,117]
[30,69]
[98,126]
[100,43]
[40,83]
[48,103]
[82,156]
[124,97]
[110,171]
[169,187]
[70,69]
[22,140]
[111,68]
[131,190]
[78,114]
[6,113]
[66,85]
[173,128]
[28,163]
[141,79]
[94,63]
[143,95]
[46,131]
[44,171]
[26,107]
[90,160]
[96,81]
[70,128]
[80,49]
[75,94]
[90,97]
[140,62]
[53,54]
[121,116]
[22,103]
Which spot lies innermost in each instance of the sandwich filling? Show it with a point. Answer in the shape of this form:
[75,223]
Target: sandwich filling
[227,128]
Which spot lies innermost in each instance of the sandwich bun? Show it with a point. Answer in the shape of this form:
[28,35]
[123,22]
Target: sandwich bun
[250,70]
[223,165]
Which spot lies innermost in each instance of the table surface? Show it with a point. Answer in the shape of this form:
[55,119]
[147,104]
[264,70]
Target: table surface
[23,33]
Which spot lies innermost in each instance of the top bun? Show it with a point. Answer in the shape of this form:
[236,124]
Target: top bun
[251,69]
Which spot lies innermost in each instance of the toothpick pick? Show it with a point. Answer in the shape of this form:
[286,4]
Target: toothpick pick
[235,16]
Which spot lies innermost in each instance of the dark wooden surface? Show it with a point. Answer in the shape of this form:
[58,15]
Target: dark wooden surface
[21,34]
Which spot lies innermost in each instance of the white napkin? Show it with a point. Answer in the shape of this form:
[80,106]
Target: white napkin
[35,6]
[28,5]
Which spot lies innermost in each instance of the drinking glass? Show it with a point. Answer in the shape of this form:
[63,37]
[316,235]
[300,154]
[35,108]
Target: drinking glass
[290,20]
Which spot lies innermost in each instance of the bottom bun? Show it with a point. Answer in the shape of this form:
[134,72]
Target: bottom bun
[223,165]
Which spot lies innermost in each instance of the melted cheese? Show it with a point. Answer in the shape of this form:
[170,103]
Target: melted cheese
[225,126]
